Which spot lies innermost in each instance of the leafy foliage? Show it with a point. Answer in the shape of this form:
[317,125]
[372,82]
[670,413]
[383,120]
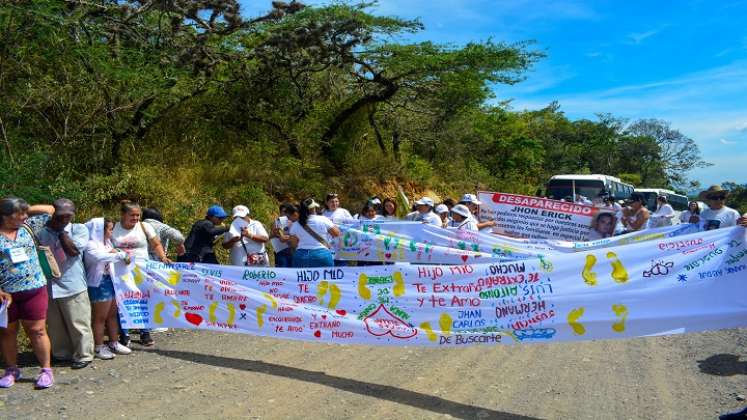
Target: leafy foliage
[181,104]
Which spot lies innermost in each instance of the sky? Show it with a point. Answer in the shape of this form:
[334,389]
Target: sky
[684,62]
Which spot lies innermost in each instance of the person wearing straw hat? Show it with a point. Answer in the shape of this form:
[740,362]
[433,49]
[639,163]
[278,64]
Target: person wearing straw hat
[462,218]
[718,214]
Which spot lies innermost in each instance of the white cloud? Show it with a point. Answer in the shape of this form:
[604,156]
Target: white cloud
[638,37]
[724,141]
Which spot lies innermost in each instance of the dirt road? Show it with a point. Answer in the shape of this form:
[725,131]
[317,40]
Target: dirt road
[191,374]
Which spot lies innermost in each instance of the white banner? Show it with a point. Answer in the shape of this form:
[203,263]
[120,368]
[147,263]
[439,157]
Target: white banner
[671,285]
[423,243]
[523,216]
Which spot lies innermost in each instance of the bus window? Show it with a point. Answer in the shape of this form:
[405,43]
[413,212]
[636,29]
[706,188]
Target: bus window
[558,189]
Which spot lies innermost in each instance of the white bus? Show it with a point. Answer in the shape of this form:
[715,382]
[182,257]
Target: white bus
[590,186]
[677,201]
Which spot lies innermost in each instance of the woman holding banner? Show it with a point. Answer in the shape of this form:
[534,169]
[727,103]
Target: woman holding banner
[311,236]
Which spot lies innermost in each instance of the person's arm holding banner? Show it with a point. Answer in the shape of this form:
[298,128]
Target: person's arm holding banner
[6,298]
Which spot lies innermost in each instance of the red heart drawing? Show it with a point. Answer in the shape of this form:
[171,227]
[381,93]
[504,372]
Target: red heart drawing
[496,197]
[194,319]
[464,258]
[242,306]
[317,334]
[341,312]
[324,316]
[382,322]
[388,255]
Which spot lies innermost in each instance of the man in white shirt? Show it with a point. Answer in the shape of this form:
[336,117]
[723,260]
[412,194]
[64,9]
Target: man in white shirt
[718,215]
[246,239]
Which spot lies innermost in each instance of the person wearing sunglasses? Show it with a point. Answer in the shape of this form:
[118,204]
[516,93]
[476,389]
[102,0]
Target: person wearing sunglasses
[718,214]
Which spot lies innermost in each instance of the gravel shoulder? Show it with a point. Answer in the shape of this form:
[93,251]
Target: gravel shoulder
[200,374]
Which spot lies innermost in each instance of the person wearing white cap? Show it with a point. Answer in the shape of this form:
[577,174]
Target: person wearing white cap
[425,212]
[462,218]
[442,210]
[473,204]
[246,239]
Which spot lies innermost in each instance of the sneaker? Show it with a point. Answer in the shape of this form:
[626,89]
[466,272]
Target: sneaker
[146,339]
[11,375]
[45,379]
[118,348]
[103,352]
[124,339]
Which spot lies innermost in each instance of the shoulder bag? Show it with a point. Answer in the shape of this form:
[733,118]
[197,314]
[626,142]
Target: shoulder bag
[48,263]
[316,236]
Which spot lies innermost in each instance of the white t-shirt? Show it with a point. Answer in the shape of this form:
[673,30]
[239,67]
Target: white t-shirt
[318,224]
[469,224]
[363,218]
[338,216]
[715,219]
[282,223]
[663,216]
[238,254]
[133,241]
[389,218]
[685,216]
[431,218]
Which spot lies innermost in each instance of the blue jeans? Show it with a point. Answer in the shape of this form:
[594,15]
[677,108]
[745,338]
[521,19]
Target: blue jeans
[284,258]
[312,258]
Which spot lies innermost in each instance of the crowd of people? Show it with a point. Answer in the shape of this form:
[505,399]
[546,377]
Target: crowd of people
[631,215]
[56,274]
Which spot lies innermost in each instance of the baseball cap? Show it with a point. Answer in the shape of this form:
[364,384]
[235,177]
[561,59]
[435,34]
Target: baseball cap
[217,211]
[425,201]
[240,211]
[442,208]
[470,198]
[461,210]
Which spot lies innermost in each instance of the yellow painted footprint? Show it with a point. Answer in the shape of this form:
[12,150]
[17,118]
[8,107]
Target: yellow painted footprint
[334,296]
[139,277]
[619,273]
[621,311]
[157,318]
[426,326]
[177,309]
[445,323]
[272,300]
[211,312]
[261,315]
[321,291]
[231,314]
[174,278]
[363,291]
[589,276]
[573,317]
[399,284]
